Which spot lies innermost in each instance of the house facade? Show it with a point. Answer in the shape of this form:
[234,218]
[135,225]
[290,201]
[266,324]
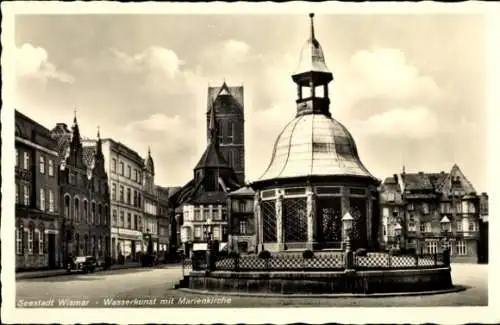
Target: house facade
[426,212]
[37,220]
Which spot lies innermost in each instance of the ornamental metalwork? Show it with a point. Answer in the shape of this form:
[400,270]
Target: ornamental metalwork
[358,212]
[329,224]
[295,219]
[268,211]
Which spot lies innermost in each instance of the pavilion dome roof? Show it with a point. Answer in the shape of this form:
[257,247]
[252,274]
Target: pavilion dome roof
[314,145]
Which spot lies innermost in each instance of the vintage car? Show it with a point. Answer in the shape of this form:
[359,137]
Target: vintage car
[84,264]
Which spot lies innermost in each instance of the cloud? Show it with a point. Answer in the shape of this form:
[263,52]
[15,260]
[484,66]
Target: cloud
[386,72]
[33,62]
[413,122]
[155,70]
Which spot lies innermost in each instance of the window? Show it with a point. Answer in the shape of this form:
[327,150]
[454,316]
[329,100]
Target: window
[128,196]
[425,208]
[30,241]
[41,242]
[92,213]
[26,195]
[139,200]
[442,207]
[113,165]
[385,212]
[121,194]
[412,226]
[219,131]
[230,158]
[428,227]
[136,222]
[472,226]
[36,241]
[432,247]
[122,168]
[19,241]
[122,219]
[26,160]
[458,207]
[17,157]
[17,193]
[129,171]
[197,232]
[51,201]
[106,214]
[129,221]
[113,191]
[42,199]
[134,201]
[422,227]
[461,249]
[230,130]
[99,214]
[472,207]
[114,218]
[243,227]
[411,207]
[136,175]
[85,211]
[216,233]
[51,167]
[242,206]
[459,225]
[42,165]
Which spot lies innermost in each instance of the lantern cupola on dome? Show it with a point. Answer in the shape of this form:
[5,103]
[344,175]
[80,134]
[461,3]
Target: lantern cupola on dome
[312,76]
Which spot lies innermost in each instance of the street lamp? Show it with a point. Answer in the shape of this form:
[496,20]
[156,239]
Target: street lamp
[397,230]
[347,221]
[445,225]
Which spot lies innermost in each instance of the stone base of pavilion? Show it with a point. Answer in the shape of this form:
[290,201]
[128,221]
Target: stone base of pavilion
[324,274]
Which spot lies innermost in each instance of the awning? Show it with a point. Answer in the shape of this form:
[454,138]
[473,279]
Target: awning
[222,246]
[200,247]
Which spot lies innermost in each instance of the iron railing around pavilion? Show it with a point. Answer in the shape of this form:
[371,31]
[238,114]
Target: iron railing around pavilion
[332,261]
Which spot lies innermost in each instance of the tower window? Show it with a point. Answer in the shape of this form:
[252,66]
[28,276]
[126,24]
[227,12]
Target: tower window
[230,130]
[319,91]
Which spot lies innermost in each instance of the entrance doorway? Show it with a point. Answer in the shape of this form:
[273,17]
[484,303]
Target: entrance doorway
[51,249]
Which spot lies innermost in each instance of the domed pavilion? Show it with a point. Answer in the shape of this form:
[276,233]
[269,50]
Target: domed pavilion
[315,175]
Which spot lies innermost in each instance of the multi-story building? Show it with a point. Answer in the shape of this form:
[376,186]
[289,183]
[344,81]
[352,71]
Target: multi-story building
[124,168]
[242,228]
[84,194]
[203,200]
[38,221]
[228,104]
[438,210]
[164,221]
[151,203]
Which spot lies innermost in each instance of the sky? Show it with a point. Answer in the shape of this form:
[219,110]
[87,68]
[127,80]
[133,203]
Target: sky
[410,88]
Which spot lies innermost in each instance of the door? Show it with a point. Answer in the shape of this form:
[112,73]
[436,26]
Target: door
[51,249]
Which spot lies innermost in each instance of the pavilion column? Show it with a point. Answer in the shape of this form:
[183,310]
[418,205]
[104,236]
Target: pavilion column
[279,222]
[311,212]
[258,221]
[345,201]
[369,216]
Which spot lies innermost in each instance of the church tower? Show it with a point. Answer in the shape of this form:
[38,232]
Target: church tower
[228,105]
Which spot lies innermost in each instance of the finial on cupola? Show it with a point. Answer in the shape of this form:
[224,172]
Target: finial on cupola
[311,15]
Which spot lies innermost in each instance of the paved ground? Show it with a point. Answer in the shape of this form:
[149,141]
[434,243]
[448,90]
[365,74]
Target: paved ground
[141,284]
